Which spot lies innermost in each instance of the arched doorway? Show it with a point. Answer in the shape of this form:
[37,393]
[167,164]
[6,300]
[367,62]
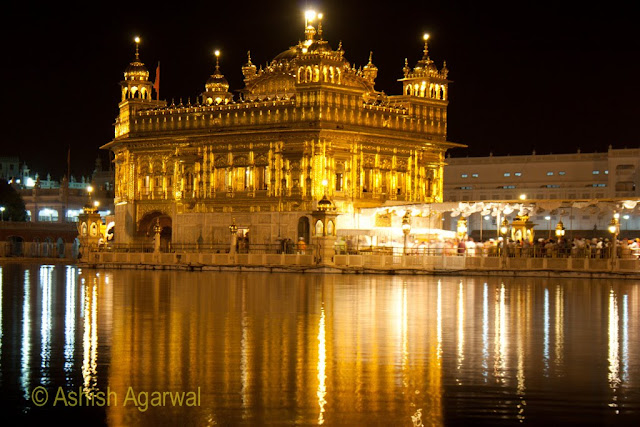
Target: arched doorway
[303,228]
[15,245]
[47,247]
[146,225]
[60,247]
[75,249]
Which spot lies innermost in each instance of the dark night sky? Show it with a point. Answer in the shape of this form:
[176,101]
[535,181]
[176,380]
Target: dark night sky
[527,75]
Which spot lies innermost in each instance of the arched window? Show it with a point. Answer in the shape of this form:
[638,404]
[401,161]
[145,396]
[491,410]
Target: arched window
[319,228]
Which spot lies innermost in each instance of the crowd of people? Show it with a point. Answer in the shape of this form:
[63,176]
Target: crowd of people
[577,247]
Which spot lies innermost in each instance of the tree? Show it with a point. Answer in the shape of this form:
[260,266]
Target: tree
[12,202]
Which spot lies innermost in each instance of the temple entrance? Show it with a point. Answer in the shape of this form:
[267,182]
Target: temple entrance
[303,228]
[165,239]
[145,231]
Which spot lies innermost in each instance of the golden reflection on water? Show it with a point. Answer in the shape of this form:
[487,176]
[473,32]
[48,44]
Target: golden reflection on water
[90,336]
[322,362]
[69,323]
[25,348]
[1,329]
[46,272]
[460,314]
[322,349]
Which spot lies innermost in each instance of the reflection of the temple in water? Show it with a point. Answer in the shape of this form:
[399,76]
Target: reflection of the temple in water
[312,348]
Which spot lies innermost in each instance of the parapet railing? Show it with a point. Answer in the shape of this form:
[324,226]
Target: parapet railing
[492,252]
[209,248]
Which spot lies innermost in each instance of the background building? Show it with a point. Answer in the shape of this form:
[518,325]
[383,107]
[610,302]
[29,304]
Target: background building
[557,183]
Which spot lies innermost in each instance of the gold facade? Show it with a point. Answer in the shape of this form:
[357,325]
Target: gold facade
[307,125]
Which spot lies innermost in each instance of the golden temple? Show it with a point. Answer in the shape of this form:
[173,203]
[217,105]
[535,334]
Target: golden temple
[308,125]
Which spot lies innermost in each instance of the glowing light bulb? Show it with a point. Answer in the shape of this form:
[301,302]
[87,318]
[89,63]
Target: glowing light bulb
[425,36]
[216,53]
[137,39]
[310,15]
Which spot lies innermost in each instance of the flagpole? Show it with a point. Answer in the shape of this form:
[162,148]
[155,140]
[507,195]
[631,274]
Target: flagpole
[156,84]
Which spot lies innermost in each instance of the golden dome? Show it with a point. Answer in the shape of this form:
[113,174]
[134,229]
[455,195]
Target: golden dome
[217,82]
[136,71]
[306,48]
[217,87]
[325,204]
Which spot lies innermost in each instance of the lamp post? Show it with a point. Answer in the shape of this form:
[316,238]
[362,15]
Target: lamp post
[233,229]
[2,208]
[560,235]
[406,229]
[462,227]
[504,229]
[548,218]
[90,194]
[157,229]
[614,228]
[560,230]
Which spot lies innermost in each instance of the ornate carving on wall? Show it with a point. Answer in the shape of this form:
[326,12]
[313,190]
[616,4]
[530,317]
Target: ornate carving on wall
[261,159]
[369,161]
[221,161]
[145,208]
[240,160]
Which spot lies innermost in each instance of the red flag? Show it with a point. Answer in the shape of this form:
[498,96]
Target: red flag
[156,85]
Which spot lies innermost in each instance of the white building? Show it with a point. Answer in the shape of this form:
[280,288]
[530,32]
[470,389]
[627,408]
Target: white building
[563,180]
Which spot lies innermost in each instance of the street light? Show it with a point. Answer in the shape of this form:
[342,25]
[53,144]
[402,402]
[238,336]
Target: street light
[548,218]
[406,229]
[2,208]
[90,193]
[462,227]
[560,230]
[614,228]
[504,229]
[233,229]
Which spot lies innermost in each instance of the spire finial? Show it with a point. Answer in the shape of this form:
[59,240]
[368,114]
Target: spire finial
[425,37]
[309,30]
[370,57]
[217,54]
[137,40]
[248,57]
[320,15]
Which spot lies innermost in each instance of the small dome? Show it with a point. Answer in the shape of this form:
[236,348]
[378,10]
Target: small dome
[217,83]
[325,204]
[136,71]
[287,55]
